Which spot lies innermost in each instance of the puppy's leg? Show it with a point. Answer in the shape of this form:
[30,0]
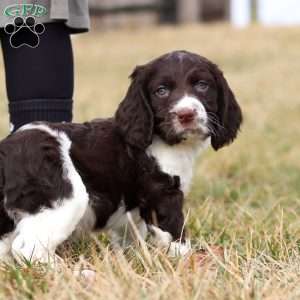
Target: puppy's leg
[39,233]
[137,227]
[168,222]
[168,233]
[37,236]
[127,229]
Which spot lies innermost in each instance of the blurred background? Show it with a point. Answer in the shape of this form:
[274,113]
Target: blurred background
[114,13]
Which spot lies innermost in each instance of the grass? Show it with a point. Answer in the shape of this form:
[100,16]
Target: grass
[245,198]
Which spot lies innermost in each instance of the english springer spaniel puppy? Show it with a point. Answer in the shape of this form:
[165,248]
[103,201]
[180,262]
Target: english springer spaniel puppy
[135,168]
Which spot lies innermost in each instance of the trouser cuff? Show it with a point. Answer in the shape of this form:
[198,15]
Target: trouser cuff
[51,110]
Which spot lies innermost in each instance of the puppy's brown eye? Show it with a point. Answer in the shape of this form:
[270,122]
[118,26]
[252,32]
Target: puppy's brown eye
[162,91]
[201,86]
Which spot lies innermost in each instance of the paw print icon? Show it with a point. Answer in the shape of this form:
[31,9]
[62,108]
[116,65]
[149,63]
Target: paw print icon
[24,32]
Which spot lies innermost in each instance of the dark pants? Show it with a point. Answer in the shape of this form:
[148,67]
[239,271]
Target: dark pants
[40,80]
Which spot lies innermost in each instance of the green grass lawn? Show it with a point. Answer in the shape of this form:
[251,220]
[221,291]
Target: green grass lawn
[245,198]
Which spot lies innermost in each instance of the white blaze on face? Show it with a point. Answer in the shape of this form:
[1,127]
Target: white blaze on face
[191,103]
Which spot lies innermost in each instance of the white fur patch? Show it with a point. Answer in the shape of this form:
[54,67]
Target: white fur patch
[178,159]
[42,127]
[38,235]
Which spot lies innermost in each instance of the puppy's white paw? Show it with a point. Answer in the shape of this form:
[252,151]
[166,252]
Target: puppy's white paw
[180,249]
[163,239]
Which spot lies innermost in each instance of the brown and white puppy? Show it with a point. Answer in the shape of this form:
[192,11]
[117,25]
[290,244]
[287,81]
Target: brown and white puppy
[56,179]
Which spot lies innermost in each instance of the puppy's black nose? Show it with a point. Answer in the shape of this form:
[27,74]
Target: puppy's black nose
[186,115]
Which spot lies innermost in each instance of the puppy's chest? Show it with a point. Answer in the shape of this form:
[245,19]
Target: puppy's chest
[175,160]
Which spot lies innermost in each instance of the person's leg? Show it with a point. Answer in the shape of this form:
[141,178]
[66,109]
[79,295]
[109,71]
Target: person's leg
[40,80]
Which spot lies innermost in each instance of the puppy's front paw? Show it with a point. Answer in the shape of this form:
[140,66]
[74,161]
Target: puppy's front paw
[163,239]
[179,249]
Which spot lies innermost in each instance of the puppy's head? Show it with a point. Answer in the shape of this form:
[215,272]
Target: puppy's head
[179,96]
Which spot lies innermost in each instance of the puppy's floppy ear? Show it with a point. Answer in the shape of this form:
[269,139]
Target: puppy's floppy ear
[134,116]
[229,113]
